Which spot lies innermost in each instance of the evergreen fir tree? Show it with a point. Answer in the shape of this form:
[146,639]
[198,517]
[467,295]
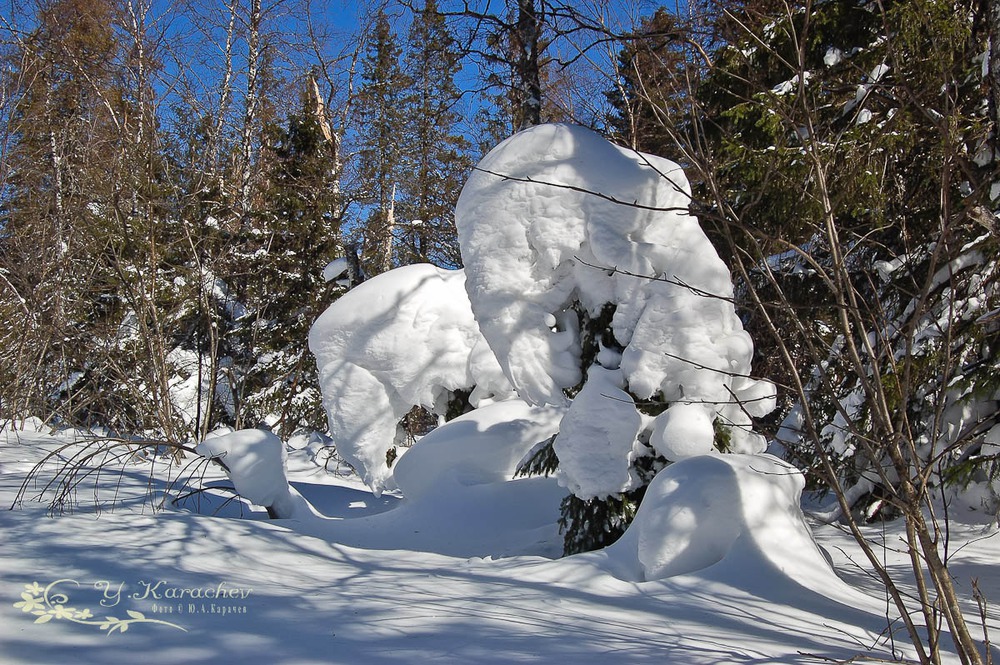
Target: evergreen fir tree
[381,122]
[651,87]
[520,78]
[871,124]
[57,216]
[436,155]
[302,225]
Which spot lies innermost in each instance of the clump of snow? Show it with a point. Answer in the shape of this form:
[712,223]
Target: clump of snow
[833,56]
[221,294]
[792,84]
[556,225]
[402,339]
[556,220]
[335,269]
[595,445]
[874,76]
[703,510]
[684,430]
[878,72]
[478,448]
[255,461]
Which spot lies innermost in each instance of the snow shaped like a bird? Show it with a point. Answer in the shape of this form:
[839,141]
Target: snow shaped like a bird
[404,338]
[556,220]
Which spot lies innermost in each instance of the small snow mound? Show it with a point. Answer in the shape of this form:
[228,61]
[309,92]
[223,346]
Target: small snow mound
[706,509]
[684,430]
[478,448]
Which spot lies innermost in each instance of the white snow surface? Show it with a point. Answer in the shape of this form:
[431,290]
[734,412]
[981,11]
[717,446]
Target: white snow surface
[719,567]
[402,339]
[30,424]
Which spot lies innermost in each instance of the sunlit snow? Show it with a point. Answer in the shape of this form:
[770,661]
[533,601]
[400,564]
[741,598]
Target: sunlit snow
[442,554]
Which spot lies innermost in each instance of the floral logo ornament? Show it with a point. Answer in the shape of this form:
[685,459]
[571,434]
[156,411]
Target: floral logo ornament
[48,604]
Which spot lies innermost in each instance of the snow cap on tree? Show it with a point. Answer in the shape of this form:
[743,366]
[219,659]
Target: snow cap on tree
[558,227]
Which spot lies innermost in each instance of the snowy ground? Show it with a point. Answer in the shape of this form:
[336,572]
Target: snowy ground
[462,575]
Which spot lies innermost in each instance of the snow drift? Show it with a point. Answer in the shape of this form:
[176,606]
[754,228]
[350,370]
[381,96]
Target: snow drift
[708,509]
[395,589]
[479,448]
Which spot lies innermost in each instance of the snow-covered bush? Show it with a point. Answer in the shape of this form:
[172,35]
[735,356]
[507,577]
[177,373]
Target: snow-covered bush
[595,287]
[254,459]
[943,340]
[402,339]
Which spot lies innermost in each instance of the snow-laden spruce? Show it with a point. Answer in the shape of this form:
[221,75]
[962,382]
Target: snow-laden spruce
[557,225]
[402,339]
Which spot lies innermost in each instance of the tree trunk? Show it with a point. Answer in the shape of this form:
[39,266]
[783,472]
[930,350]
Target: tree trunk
[252,102]
[528,71]
[993,16]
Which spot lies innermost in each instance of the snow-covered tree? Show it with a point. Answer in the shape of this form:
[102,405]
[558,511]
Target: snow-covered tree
[300,223]
[381,120]
[436,153]
[594,289]
[82,246]
[597,289]
[651,80]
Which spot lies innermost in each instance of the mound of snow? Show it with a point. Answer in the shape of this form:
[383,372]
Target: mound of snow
[478,448]
[402,339]
[684,430]
[703,510]
[255,461]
